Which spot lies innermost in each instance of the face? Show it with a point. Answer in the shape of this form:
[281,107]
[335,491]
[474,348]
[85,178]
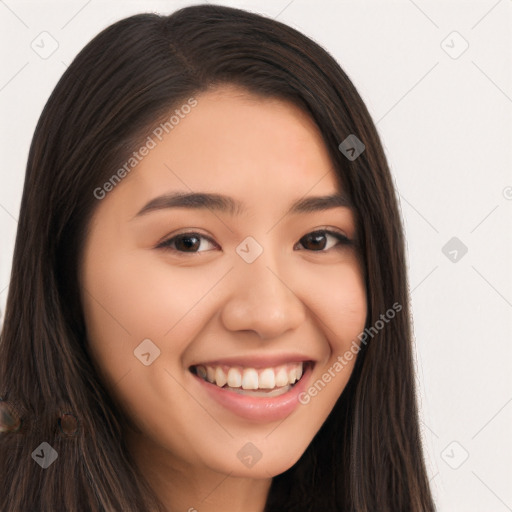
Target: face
[201,316]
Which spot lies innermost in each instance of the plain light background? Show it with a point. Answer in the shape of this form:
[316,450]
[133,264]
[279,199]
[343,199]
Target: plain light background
[436,78]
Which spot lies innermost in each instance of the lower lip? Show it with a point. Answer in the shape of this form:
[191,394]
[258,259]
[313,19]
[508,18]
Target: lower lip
[258,409]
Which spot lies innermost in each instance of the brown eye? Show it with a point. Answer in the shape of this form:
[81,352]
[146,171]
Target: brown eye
[316,241]
[184,242]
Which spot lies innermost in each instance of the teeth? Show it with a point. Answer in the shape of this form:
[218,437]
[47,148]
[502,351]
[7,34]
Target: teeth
[267,379]
[250,378]
[234,378]
[210,373]
[282,377]
[220,376]
[265,394]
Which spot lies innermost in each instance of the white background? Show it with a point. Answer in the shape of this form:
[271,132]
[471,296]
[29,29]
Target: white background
[446,122]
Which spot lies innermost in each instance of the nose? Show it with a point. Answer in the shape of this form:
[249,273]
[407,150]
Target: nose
[262,300]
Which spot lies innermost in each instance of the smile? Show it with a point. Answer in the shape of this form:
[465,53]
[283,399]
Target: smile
[258,395]
[272,381]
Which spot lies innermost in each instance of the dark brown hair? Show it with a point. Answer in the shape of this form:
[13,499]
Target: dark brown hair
[367,455]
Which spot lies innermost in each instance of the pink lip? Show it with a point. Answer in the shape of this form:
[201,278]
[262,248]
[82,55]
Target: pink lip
[257,361]
[258,409]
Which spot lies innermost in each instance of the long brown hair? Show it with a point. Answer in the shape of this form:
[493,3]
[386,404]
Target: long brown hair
[367,455]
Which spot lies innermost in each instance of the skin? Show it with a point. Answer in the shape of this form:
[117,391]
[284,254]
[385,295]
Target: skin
[208,303]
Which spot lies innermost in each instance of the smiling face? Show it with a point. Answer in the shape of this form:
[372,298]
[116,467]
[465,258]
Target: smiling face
[176,290]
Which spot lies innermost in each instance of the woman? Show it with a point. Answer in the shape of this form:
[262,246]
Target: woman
[264,373]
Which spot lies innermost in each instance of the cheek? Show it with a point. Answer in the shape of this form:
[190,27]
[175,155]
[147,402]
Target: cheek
[339,301]
[131,296]
[349,310]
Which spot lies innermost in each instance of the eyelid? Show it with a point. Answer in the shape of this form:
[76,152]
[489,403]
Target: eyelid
[329,229]
[184,231]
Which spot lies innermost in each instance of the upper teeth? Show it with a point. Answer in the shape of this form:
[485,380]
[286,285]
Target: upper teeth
[250,378]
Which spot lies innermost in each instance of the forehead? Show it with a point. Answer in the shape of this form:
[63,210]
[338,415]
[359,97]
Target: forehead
[239,144]
[236,127]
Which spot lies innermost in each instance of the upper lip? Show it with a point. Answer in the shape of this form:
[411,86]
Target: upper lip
[257,361]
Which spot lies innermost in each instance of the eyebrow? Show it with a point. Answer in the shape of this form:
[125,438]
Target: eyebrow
[226,204]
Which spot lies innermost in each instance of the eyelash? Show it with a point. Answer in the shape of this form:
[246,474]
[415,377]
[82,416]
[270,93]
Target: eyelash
[165,245]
